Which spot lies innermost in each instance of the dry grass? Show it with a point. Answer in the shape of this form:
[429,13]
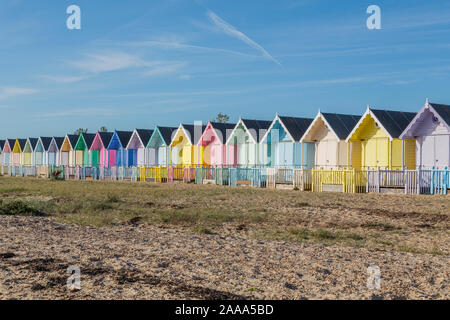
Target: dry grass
[407,223]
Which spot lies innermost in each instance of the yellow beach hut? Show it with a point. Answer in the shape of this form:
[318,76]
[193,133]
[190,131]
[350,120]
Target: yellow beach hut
[184,149]
[17,152]
[374,142]
[67,157]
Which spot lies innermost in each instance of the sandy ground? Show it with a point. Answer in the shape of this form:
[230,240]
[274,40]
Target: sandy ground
[147,262]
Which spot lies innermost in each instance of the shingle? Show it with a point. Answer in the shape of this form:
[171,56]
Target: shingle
[443,110]
[257,128]
[342,124]
[395,122]
[296,126]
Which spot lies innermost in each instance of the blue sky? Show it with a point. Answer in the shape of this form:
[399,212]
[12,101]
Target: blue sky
[145,63]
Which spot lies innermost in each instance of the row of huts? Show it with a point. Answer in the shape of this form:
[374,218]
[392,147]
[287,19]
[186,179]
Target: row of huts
[377,139]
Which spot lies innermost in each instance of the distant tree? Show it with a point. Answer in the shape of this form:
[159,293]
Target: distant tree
[222,118]
[80,131]
[103,129]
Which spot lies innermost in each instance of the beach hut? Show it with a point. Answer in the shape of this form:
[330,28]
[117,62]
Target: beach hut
[99,149]
[54,151]
[431,130]
[243,144]
[138,154]
[16,152]
[28,152]
[212,144]
[328,132]
[41,151]
[375,141]
[281,146]
[83,156]
[2,144]
[184,149]
[67,150]
[6,152]
[160,142]
[117,152]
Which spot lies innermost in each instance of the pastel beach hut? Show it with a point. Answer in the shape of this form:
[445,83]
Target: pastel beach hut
[160,142]
[54,151]
[28,152]
[138,154]
[328,132]
[430,129]
[99,149]
[281,146]
[6,152]
[117,149]
[243,144]
[17,152]
[184,149]
[82,150]
[2,144]
[67,151]
[41,151]
[375,141]
[212,144]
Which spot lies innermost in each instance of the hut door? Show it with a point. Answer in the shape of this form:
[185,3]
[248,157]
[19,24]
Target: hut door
[65,158]
[441,150]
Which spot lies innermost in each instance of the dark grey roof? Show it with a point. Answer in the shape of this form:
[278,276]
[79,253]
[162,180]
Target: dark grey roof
[33,142]
[89,138]
[73,138]
[395,122]
[225,129]
[124,137]
[296,126]
[59,142]
[443,110]
[106,138]
[22,143]
[46,142]
[257,128]
[190,128]
[145,135]
[342,124]
[166,133]
[2,144]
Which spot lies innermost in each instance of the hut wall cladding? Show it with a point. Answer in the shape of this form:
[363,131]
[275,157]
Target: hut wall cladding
[117,152]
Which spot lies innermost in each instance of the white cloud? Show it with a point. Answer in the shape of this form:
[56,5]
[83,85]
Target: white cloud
[64,79]
[79,112]
[111,61]
[8,92]
[233,32]
[185,77]
[164,68]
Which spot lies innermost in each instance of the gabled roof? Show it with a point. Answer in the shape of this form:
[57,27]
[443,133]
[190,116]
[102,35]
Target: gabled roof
[59,142]
[124,137]
[392,122]
[144,135]
[223,130]
[190,130]
[2,144]
[255,128]
[46,141]
[33,142]
[295,127]
[22,143]
[73,139]
[441,111]
[165,133]
[88,138]
[106,138]
[340,124]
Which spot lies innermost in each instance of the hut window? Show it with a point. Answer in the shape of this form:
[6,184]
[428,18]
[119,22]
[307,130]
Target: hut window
[435,120]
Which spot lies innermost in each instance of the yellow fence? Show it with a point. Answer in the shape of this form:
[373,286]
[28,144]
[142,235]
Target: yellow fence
[347,180]
[156,174]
